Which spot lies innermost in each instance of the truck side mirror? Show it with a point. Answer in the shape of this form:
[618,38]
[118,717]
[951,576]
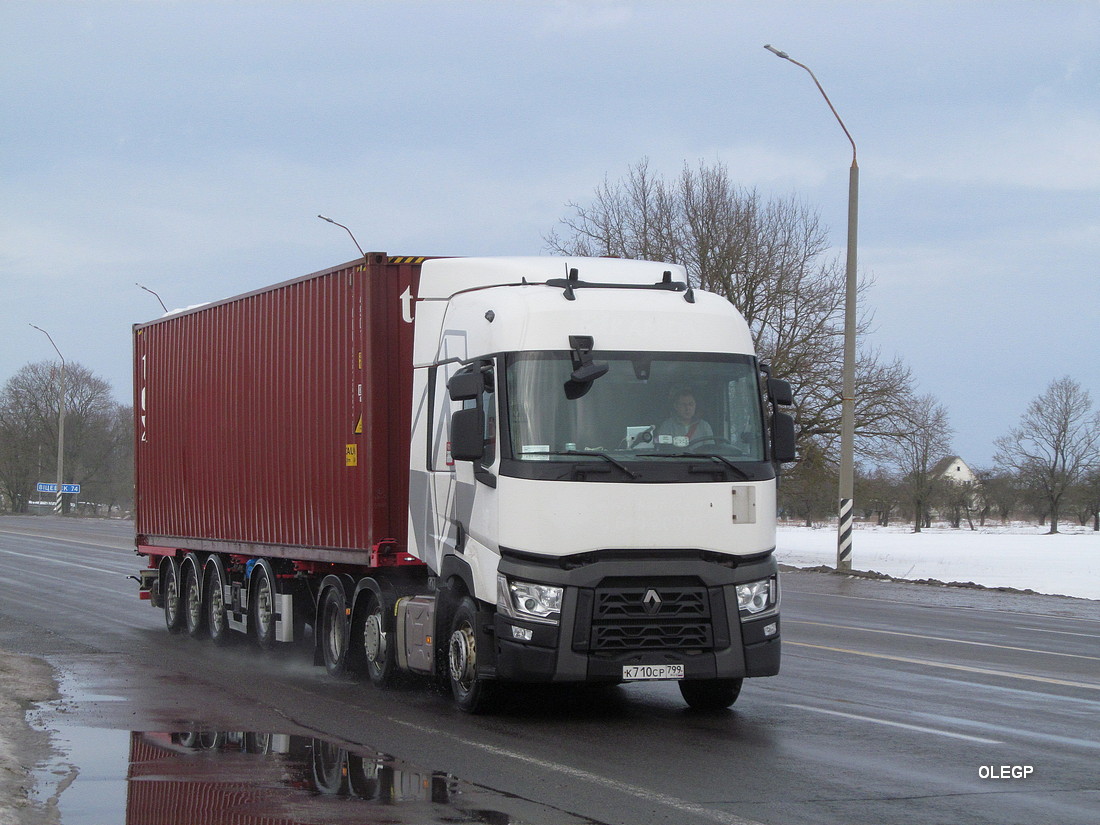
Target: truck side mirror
[466,385]
[779,392]
[783,438]
[468,432]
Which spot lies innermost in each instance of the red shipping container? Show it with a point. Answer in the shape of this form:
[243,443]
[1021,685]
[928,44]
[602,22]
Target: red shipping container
[277,423]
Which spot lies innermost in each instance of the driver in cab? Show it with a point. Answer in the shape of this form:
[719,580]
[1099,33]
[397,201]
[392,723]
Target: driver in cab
[683,426]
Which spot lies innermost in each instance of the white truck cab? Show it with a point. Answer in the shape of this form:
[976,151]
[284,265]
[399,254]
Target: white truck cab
[584,522]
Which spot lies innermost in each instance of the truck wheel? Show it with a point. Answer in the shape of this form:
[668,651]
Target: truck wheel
[375,654]
[711,694]
[262,608]
[173,602]
[217,619]
[192,603]
[334,631]
[471,694]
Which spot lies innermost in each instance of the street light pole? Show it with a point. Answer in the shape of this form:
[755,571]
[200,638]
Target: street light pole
[155,295]
[60,423]
[357,246]
[848,391]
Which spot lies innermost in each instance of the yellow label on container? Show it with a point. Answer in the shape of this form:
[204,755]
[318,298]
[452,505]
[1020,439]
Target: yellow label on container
[351,455]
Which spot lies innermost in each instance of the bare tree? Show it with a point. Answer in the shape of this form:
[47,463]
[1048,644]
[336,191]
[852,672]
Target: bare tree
[95,437]
[1055,444]
[769,258]
[808,490]
[1001,490]
[923,438]
[955,501]
[1085,499]
[880,493]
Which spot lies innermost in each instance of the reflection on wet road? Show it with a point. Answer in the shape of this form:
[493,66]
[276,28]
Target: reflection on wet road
[238,778]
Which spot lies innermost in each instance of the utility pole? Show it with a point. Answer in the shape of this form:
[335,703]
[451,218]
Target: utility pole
[848,390]
[60,423]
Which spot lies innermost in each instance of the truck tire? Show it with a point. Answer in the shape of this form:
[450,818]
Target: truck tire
[333,623]
[710,694]
[372,650]
[261,608]
[172,596]
[217,618]
[191,599]
[471,694]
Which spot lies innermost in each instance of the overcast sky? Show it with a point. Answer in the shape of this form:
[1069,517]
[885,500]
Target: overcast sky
[189,146]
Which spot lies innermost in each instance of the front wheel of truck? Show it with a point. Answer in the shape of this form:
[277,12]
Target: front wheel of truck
[471,694]
[710,694]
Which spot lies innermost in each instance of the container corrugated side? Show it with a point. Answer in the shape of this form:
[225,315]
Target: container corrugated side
[279,418]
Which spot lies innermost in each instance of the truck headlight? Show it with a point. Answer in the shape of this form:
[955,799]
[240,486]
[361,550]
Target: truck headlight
[526,600]
[755,599]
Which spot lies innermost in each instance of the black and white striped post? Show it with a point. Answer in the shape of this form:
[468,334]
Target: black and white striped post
[848,391]
[848,397]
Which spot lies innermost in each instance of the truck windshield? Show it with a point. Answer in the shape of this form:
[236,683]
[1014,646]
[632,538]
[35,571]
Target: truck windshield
[648,406]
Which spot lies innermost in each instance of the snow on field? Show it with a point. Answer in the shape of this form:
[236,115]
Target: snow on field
[1021,557]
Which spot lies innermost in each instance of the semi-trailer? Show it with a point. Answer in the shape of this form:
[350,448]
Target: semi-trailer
[483,470]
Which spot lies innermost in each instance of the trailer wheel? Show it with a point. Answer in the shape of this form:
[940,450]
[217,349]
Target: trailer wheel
[712,694]
[217,619]
[334,631]
[173,603]
[262,608]
[192,602]
[377,653]
[471,694]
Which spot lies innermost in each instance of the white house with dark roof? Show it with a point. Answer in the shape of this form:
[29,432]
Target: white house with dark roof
[953,469]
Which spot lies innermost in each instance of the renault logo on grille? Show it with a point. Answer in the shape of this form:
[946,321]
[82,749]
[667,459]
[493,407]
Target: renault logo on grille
[651,602]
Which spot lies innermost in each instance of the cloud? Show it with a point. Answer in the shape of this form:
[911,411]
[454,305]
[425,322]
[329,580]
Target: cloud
[1050,151]
[573,16]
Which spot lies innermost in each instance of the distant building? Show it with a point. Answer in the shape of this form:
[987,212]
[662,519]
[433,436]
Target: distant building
[953,469]
[962,495]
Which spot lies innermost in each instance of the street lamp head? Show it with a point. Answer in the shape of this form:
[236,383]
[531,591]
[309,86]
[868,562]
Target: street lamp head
[59,355]
[334,223]
[154,294]
[821,89]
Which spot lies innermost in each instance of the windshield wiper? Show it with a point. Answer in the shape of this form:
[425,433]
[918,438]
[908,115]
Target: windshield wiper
[712,456]
[598,454]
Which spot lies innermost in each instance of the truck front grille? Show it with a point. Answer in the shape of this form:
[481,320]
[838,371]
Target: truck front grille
[675,636]
[647,616]
[647,602]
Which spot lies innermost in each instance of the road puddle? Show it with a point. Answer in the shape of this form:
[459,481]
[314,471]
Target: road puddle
[237,778]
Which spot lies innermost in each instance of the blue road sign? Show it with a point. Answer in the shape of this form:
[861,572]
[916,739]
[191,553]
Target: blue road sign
[44,487]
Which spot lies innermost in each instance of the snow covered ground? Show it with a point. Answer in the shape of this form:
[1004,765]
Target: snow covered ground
[1020,556]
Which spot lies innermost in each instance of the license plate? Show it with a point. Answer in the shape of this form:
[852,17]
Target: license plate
[636,672]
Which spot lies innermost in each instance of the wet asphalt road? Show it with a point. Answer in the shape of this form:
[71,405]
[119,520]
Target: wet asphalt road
[897,703]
